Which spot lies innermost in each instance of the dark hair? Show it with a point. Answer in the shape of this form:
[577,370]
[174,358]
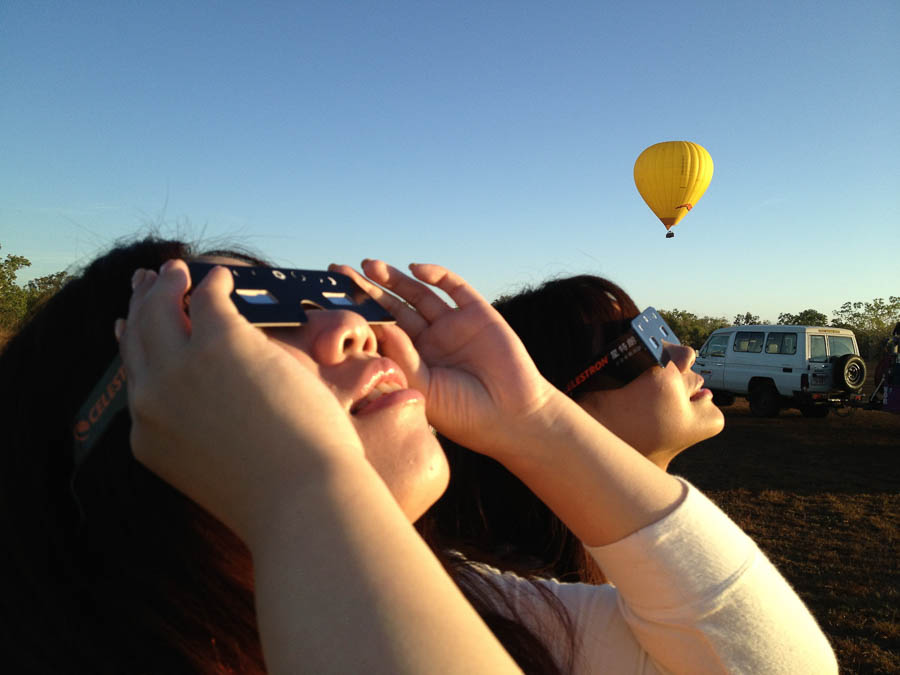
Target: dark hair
[111,570]
[563,323]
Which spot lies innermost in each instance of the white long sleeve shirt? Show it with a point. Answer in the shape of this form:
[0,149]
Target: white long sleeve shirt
[691,593]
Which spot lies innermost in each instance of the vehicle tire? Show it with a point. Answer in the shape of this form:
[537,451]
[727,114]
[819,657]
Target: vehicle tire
[850,373]
[722,398]
[815,411]
[764,400]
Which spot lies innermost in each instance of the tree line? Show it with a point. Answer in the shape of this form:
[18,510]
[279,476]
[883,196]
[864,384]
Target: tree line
[17,302]
[872,322]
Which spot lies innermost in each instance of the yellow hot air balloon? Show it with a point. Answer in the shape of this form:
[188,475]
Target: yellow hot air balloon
[671,177]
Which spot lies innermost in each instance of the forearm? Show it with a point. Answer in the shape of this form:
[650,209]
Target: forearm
[345,584]
[701,597]
[599,486]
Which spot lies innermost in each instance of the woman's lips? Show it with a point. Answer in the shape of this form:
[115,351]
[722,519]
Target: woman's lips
[384,395]
[701,393]
[381,379]
[379,390]
[384,386]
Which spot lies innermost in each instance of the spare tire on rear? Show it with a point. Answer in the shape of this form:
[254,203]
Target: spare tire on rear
[849,373]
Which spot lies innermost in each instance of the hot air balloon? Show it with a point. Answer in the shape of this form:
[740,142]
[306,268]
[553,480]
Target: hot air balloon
[671,177]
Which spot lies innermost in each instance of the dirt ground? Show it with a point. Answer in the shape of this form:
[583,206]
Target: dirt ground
[822,498]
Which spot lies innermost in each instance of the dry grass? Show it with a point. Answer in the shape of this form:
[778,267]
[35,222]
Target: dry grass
[822,499]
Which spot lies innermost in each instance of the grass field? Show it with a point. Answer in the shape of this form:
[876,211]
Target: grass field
[822,498]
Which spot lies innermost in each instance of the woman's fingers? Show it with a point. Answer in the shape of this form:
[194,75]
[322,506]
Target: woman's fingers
[211,306]
[156,327]
[451,283]
[406,316]
[426,302]
[155,311]
[417,305]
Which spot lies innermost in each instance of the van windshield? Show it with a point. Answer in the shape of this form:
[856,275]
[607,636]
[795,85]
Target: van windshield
[838,345]
[715,346]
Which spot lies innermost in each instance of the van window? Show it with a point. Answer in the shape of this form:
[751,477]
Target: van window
[817,349]
[715,346]
[781,343]
[838,345]
[747,341]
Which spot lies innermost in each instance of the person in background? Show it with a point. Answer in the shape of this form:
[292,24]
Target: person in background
[564,324]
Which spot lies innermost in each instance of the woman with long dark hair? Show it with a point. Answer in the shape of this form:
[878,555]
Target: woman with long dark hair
[564,324]
[258,500]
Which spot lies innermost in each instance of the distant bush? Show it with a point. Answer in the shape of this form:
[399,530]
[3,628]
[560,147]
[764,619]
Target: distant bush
[872,322]
[17,302]
[692,329]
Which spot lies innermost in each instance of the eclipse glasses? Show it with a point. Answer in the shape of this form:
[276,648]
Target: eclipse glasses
[629,355]
[269,297]
[266,297]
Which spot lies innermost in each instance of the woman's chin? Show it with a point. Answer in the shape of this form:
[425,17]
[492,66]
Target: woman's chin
[413,466]
[717,422]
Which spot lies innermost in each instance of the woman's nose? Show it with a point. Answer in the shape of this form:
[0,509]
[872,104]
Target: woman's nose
[683,355]
[339,334]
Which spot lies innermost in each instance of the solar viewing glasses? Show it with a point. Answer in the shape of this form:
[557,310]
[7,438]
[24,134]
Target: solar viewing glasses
[627,356]
[266,297]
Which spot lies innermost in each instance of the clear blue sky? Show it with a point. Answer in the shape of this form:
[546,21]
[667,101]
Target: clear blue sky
[497,138]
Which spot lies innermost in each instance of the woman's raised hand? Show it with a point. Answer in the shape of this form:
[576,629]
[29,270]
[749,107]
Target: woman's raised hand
[479,382]
[250,433]
[218,410]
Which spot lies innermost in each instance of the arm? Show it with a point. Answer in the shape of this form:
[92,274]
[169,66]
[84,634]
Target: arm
[692,594]
[700,596]
[343,581]
[344,584]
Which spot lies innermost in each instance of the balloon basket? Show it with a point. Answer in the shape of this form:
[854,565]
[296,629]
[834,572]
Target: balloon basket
[669,235]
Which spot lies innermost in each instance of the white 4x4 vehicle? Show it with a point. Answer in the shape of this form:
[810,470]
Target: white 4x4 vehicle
[807,367]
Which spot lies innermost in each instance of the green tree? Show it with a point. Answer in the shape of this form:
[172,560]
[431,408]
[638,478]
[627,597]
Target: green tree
[690,328]
[808,317]
[872,322]
[15,301]
[38,290]
[746,319]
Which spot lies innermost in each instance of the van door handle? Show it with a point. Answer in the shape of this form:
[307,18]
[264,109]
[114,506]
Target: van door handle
[787,370]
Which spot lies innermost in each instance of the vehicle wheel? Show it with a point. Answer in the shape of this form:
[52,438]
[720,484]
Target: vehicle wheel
[722,398]
[815,410]
[764,401]
[849,373]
